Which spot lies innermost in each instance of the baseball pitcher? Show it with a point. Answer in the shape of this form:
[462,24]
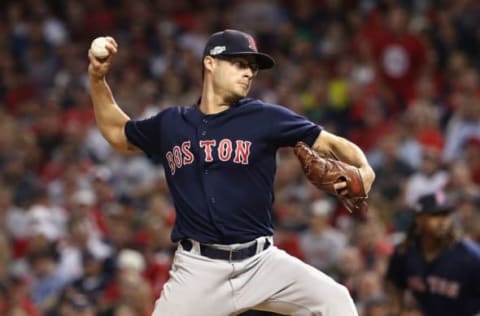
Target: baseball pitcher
[219,157]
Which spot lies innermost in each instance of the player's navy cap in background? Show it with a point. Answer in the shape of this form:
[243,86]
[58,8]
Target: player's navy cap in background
[433,203]
[236,43]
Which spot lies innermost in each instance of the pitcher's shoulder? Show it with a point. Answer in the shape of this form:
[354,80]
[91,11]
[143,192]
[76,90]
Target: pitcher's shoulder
[266,106]
[178,111]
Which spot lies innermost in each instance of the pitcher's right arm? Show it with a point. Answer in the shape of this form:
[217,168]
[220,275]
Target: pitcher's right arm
[110,118]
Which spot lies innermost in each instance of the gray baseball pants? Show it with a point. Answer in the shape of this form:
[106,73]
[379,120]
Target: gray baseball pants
[271,280]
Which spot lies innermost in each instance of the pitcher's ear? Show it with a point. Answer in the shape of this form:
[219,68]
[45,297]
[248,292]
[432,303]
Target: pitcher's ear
[208,62]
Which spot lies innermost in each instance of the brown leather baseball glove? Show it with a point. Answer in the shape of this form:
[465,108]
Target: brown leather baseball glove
[324,172]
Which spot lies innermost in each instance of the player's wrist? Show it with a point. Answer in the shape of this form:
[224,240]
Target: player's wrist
[368,176]
[96,78]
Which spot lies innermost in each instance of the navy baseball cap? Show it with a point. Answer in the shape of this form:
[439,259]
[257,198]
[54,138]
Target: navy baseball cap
[433,203]
[235,43]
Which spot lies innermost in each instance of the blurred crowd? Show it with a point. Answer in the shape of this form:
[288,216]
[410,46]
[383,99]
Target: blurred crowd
[85,230]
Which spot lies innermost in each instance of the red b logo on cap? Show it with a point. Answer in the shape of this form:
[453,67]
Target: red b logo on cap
[251,43]
[440,198]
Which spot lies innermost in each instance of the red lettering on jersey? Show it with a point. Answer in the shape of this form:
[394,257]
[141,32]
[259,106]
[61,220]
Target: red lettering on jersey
[242,152]
[187,154]
[453,289]
[177,156]
[433,284]
[225,149]
[416,284]
[443,287]
[207,145]
[171,164]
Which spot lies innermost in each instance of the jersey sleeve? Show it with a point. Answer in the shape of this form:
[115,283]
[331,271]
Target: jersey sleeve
[288,128]
[145,134]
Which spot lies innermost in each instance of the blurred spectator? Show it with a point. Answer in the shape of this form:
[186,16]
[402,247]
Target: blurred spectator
[129,290]
[46,218]
[47,284]
[429,178]
[369,287]
[17,311]
[350,267]
[3,298]
[410,149]
[373,126]
[94,278]
[376,306]
[322,244]
[79,245]
[461,185]
[388,165]
[463,126]
[400,53]
[291,219]
[83,204]
[472,227]
[74,304]
[472,154]
[120,231]
[292,213]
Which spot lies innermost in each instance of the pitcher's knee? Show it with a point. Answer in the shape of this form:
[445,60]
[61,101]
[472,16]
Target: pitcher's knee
[337,302]
[334,295]
[343,294]
[331,294]
[340,302]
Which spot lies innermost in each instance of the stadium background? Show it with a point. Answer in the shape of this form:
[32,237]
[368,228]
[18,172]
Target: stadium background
[85,230]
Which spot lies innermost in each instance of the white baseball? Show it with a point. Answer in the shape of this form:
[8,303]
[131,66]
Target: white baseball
[99,47]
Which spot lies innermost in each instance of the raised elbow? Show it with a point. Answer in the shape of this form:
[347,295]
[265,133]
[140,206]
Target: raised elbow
[118,140]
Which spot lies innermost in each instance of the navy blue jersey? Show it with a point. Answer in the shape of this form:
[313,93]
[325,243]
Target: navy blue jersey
[220,168]
[448,285]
